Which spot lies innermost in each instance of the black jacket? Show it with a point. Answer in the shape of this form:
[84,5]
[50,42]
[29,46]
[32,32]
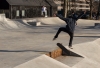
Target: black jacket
[70,21]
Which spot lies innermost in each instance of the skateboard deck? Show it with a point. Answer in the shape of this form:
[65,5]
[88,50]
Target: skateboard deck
[64,49]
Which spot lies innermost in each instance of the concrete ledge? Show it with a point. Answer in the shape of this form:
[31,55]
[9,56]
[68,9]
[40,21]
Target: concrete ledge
[59,52]
[95,24]
[42,61]
[56,53]
[34,23]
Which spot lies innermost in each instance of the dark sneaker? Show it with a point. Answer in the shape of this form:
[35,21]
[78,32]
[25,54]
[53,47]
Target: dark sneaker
[54,38]
[70,47]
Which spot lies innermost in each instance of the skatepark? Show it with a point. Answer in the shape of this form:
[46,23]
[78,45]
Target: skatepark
[27,43]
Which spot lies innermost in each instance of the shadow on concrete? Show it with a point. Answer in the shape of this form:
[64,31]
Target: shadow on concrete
[70,58]
[89,36]
[67,52]
[89,27]
[21,51]
[21,22]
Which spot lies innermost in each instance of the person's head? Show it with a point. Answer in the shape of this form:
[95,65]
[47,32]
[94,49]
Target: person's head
[73,12]
[73,16]
[43,5]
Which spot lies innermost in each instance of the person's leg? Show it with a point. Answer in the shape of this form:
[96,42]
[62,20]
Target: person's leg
[44,14]
[71,39]
[58,32]
[67,31]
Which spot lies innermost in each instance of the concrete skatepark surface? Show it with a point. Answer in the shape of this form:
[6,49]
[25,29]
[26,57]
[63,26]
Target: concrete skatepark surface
[24,45]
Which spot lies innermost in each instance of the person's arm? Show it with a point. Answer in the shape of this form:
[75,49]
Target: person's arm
[61,17]
[80,15]
[76,23]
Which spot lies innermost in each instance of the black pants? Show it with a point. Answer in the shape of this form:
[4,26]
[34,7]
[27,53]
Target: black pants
[43,13]
[65,29]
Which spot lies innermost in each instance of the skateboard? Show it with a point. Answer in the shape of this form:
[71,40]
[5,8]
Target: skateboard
[64,49]
[67,51]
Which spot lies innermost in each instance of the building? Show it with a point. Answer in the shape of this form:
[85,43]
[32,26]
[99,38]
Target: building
[26,8]
[76,5]
[82,5]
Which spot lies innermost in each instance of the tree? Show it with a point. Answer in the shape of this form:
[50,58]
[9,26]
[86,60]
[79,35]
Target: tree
[97,16]
[90,2]
[65,8]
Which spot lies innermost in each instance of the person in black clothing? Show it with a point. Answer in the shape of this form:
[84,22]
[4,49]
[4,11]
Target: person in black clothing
[70,27]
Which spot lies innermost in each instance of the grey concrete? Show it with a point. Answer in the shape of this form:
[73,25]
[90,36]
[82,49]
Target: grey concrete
[42,62]
[23,42]
[89,52]
[69,60]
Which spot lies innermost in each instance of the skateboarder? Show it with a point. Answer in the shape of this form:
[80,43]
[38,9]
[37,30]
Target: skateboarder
[70,27]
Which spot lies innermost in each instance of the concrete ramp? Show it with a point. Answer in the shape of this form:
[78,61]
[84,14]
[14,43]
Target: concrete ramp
[51,20]
[90,52]
[56,20]
[87,22]
[87,63]
[6,23]
[42,62]
[22,45]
